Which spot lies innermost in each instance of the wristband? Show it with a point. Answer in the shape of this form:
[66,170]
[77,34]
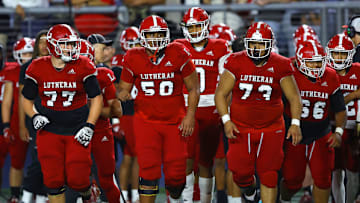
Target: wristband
[90,125]
[115,121]
[339,130]
[295,121]
[6,125]
[225,118]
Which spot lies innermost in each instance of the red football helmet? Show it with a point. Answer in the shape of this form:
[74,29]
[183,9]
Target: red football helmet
[259,32]
[305,37]
[228,36]
[310,51]
[24,45]
[154,24]
[303,29]
[129,38]
[216,29]
[87,49]
[59,38]
[340,43]
[196,16]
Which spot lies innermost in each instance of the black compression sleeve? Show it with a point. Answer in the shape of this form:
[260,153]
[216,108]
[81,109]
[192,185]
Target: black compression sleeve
[92,87]
[30,90]
[337,101]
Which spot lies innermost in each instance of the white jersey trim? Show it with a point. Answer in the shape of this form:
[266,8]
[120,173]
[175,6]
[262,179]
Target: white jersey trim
[204,101]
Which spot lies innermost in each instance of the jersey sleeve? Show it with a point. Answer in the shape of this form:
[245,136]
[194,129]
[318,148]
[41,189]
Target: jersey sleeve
[188,68]
[89,69]
[127,74]
[109,90]
[287,68]
[228,65]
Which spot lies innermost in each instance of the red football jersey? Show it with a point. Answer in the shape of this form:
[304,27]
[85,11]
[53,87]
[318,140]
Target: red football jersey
[106,78]
[207,66]
[350,83]
[160,97]
[256,96]
[116,60]
[315,96]
[61,90]
[12,74]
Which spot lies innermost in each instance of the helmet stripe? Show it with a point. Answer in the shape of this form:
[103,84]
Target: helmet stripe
[154,20]
[69,28]
[341,38]
[314,47]
[192,12]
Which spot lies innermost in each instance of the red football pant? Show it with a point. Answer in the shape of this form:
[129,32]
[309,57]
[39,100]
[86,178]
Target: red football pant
[102,148]
[207,134]
[127,125]
[158,144]
[344,158]
[321,162]
[63,160]
[17,150]
[259,147]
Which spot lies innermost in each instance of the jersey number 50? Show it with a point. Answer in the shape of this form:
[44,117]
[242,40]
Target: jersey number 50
[166,88]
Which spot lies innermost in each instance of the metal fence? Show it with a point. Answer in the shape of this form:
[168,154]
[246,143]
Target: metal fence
[326,17]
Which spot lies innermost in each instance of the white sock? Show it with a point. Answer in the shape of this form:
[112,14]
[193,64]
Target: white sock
[352,185]
[27,196]
[134,195]
[172,200]
[188,192]
[337,185]
[124,193]
[41,199]
[251,197]
[205,185]
[235,200]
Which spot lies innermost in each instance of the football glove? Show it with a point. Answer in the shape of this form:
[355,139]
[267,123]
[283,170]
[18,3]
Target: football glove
[39,121]
[84,134]
[8,134]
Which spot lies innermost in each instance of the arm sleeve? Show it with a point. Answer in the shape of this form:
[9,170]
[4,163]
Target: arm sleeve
[22,73]
[288,69]
[337,102]
[117,72]
[92,87]
[30,90]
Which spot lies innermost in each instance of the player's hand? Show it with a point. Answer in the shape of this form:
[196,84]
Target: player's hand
[295,133]
[24,134]
[84,135]
[229,128]
[39,121]
[8,135]
[187,125]
[334,140]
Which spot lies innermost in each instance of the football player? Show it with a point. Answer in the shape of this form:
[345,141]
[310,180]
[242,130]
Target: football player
[320,91]
[205,54]
[159,70]
[64,81]
[339,53]
[255,127]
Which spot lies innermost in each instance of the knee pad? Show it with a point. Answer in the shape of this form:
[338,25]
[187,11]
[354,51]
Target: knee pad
[323,182]
[175,191]
[56,191]
[243,180]
[269,178]
[154,184]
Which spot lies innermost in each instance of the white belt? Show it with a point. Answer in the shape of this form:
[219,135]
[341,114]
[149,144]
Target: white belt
[205,100]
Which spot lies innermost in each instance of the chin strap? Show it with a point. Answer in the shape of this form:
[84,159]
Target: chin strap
[153,57]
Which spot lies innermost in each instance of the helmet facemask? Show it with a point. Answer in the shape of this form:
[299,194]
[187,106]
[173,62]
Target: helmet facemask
[312,72]
[155,43]
[196,36]
[73,52]
[341,62]
[256,50]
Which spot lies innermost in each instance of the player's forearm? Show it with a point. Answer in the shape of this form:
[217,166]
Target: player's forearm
[116,109]
[95,109]
[221,102]
[193,101]
[21,108]
[7,103]
[340,119]
[28,107]
[295,107]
